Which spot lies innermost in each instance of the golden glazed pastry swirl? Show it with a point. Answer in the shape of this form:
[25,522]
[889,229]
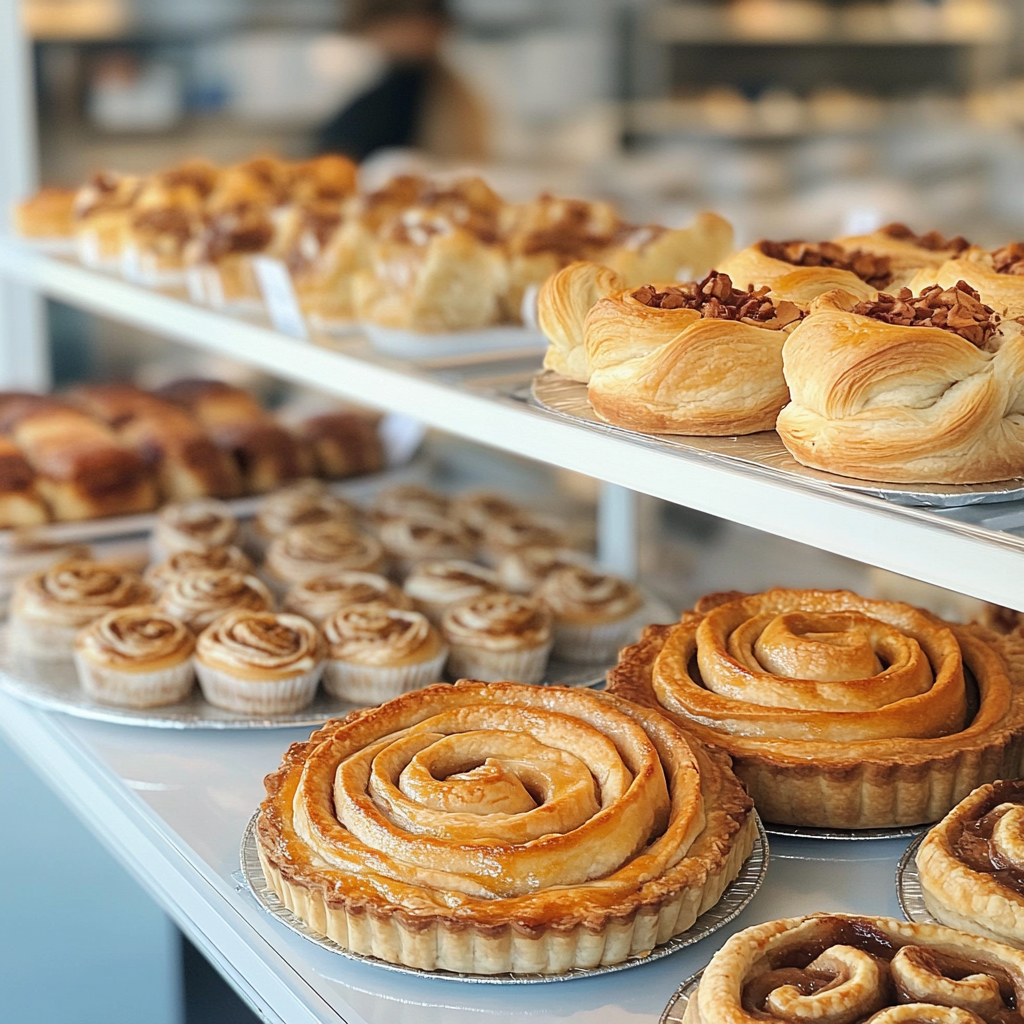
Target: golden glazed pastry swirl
[842,969]
[76,592]
[261,644]
[136,638]
[501,827]
[838,710]
[377,634]
[201,596]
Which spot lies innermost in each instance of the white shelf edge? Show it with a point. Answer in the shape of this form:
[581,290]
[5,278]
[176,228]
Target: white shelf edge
[984,564]
[194,899]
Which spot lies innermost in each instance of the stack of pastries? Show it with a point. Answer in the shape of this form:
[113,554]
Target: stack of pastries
[891,357]
[113,449]
[417,253]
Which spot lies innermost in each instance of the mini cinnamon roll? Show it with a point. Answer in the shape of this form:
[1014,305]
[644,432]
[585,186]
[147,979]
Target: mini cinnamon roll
[136,657]
[202,596]
[322,596]
[523,570]
[193,526]
[301,504]
[498,637]
[523,531]
[260,663]
[377,652]
[434,586]
[305,552]
[49,608]
[407,500]
[162,573]
[409,540]
[477,510]
[594,614]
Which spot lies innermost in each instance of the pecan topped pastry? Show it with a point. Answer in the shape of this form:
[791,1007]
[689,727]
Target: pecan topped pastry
[486,845]
[933,241]
[840,968]
[875,270]
[997,276]
[321,596]
[1009,259]
[907,389]
[837,710]
[907,251]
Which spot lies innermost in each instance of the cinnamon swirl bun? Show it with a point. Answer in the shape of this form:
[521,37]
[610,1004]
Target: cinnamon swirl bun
[322,596]
[260,663]
[377,652]
[162,573]
[303,503]
[434,586]
[202,596]
[498,636]
[305,552]
[525,530]
[409,540]
[460,828]
[193,526]
[523,570]
[838,710]
[136,657]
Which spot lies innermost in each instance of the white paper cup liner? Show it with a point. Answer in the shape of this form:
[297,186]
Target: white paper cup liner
[47,641]
[255,696]
[374,684]
[525,665]
[594,642]
[135,689]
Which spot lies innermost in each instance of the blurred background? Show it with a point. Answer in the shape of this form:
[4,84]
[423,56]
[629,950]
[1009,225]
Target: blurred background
[793,118]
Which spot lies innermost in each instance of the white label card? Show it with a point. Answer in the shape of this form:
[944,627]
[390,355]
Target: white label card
[279,296]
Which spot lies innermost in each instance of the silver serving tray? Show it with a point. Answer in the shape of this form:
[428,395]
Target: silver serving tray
[846,834]
[733,901]
[568,399]
[908,887]
[673,1013]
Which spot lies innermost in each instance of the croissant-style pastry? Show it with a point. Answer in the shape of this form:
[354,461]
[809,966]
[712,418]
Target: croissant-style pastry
[696,358]
[564,300]
[907,252]
[801,271]
[101,214]
[997,276]
[926,389]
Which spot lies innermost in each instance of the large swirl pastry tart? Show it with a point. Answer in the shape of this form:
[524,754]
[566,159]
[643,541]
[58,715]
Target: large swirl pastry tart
[138,657]
[838,710]
[909,388]
[971,865]
[200,597]
[49,608]
[997,277]
[305,552]
[486,828]
[260,663]
[844,969]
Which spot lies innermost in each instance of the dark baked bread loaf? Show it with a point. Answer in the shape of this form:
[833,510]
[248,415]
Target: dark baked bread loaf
[344,443]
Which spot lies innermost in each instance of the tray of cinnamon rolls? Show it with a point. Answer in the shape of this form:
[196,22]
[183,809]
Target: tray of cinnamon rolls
[888,363]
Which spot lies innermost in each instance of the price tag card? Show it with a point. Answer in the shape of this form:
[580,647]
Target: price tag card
[279,296]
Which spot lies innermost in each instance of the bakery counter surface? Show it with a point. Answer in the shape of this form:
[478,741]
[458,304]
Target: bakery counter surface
[976,550]
[173,807]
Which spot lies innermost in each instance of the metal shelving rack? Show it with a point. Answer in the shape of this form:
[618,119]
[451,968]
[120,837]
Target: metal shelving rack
[172,806]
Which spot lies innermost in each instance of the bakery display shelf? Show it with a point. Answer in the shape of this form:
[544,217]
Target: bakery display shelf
[173,807]
[971,550]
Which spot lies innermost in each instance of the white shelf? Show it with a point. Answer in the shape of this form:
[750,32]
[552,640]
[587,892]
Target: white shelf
[967,550]
[171,806]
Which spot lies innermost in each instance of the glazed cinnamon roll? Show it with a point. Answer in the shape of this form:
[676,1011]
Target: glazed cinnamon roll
[200,597]
[193,526]
[136,657]
[525,530]
[159,575]
[477,510]
[407,500]
[466,823]
[498,636]
[840,968]
[409,540]
[301,504]
[321,596]
[594,614]
[260,663]
[434,586]
[838,710]
[305,552]
[48,608]
[523,570]
[377,652]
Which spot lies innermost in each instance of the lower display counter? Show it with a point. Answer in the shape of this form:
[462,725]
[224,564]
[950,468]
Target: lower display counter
[173,807]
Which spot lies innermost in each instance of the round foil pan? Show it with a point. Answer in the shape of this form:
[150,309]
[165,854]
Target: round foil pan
[673,1013]
[908,886]
[568,399]
[733,901]
[844,834]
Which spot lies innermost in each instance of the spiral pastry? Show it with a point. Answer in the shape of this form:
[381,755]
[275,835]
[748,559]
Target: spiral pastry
[433,586]
[478,509]
[408,500]
[378,652]
[200,597]
[503,536]
[162,573]
[305,552]
[301,504]
[498,636]
[195,525]
[409,540]
[971,864]
[523,570]
[321,596]
[838,710]
[49,608]
[842,969]
[491,828]
[259,662]
[136,657]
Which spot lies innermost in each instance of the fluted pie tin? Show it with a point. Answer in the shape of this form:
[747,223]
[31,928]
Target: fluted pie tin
[908,886]
[676,1009]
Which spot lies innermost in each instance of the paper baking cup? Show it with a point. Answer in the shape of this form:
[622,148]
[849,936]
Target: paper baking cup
[594,642]
[255,696]
[519,666]
[374,684]
[135,689]
[47,641]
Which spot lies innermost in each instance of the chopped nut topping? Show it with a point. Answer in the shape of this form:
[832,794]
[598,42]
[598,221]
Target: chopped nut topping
[958,309]
[1009,259]
[716,299]
[873,270]
[933,241]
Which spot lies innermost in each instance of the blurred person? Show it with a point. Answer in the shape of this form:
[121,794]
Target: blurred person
[418,101]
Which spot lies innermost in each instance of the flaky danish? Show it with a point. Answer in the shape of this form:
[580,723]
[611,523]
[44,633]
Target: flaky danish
[906,251]
[838,710]
[912,389]
[409,832]
[997,276]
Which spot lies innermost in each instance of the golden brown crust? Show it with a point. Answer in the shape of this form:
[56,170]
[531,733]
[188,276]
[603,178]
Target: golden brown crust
[908,761]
